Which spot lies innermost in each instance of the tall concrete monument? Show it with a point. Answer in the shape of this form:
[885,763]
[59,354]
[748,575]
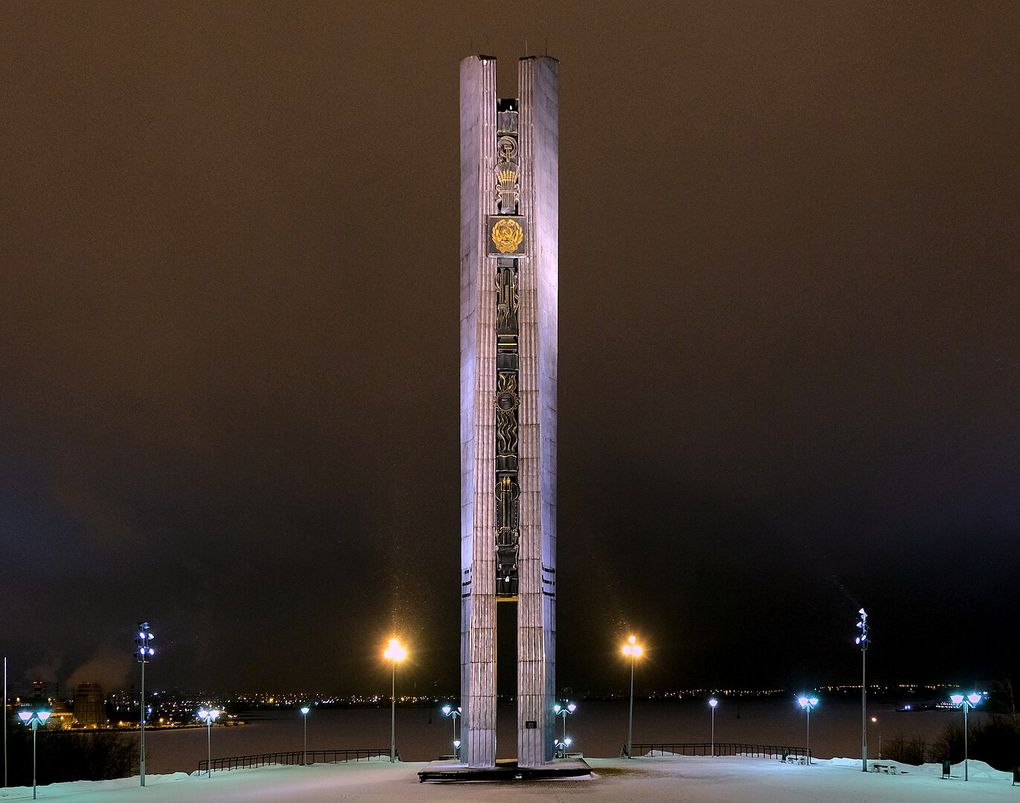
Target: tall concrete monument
[508,320]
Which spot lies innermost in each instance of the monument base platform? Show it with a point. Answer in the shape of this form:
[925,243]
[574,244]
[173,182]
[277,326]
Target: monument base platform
[452,771]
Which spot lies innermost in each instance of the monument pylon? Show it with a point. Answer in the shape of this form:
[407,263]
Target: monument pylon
[508,347]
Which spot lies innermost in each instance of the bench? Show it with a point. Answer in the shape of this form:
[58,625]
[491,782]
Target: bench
[888,769]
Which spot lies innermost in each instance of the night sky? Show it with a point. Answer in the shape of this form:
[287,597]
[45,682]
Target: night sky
[229,344]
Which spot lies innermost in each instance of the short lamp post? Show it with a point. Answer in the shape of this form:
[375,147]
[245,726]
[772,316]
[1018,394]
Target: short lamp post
[712,703]
[862,641]
[808,703]
[207,715]
[395,652]
[632,650]
[304,715]
[453,714]
[874,721]
[34,719]
[143,654]
[564,711]
[965,702]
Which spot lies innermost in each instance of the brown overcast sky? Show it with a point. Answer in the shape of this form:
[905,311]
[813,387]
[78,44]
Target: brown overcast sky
[789,351]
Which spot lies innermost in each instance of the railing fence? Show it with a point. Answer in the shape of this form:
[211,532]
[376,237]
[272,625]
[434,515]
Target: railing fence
[721,749]
[292,757]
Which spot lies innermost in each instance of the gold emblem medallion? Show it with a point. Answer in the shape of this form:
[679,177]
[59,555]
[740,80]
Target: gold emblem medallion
[507,234]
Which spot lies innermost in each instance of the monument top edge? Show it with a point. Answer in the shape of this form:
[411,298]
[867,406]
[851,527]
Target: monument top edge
[484,57]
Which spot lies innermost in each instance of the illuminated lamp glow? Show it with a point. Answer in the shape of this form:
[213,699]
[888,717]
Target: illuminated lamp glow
[395,651]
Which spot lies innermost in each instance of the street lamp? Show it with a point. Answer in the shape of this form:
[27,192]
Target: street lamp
[633,650]
[808,703]
[35,719]
[965,703]
[862,641]
[207,715]
[874,721]
[304,713]
[395,652]
[143,654]
[712,703]
[453,714]
[564,711]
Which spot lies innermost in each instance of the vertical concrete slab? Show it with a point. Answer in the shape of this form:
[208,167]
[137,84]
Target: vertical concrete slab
[539,290]
[537,329]
[477,414]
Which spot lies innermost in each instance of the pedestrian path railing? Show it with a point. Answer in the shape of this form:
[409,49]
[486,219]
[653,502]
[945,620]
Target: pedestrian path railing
[293,757]
[781,752]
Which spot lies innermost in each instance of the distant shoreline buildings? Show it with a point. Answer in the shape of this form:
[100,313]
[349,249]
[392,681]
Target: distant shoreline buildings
[90,709]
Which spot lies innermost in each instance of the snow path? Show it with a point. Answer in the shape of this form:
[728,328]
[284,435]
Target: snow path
[715,780]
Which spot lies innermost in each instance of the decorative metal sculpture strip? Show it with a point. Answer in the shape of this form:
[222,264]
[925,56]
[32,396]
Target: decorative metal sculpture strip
[506,299]
[506,417]
[507,234]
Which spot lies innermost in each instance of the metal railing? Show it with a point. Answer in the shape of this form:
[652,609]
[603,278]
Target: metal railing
[781,752]
[293,757]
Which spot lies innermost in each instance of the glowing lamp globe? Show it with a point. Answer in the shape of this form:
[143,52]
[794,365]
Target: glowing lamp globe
[395,651]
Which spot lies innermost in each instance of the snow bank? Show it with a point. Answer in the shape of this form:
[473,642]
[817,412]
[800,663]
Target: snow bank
[977,770]
[701,779]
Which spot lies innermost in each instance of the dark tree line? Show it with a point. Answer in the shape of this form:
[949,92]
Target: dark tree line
[76,756]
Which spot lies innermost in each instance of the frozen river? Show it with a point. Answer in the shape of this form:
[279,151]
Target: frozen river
[597,729]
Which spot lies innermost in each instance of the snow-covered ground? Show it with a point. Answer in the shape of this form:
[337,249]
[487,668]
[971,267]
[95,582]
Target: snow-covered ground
[643,779]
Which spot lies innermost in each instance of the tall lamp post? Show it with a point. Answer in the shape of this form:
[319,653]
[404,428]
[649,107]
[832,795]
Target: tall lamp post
[712,703]
[207,715]
[965,703]
[632,650]
[35,719]
[143,654]
[304,715]
[808,703]
[862,642]
[453,714]
[395,653]
[564,711]
[5,722]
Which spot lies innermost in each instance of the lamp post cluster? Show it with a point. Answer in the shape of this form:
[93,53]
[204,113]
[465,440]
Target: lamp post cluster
[395,652]
[965,702]
[33,719]
[862,642]
[304,715]
[632,650]
[454,714]
[143,654]
[712,703]
[808,703]
[208,716]
[564,710]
